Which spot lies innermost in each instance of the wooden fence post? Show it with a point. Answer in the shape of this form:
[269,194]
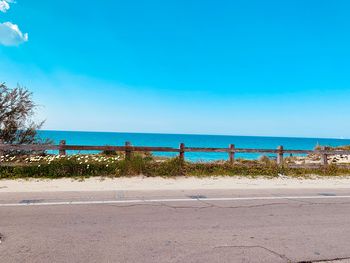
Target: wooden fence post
[182,158]
[182,152]
[324,160]
[127,150]
[280,155]
[231,153]
[62,150]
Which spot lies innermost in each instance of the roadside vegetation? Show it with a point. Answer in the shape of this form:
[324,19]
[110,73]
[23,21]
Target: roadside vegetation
[115,165]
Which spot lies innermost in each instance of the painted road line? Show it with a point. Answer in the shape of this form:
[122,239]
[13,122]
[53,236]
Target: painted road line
[143,201]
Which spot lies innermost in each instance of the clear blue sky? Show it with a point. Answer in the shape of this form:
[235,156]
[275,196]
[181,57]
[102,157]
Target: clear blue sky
[213,67]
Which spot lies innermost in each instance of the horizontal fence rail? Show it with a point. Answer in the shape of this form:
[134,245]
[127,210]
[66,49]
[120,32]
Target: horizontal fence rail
[128,148]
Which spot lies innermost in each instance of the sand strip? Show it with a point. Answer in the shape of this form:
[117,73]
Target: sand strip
[157,183]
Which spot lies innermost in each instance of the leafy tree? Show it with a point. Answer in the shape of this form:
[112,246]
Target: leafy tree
[16,116]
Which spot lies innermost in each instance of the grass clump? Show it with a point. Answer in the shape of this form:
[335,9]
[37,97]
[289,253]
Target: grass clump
[238,169]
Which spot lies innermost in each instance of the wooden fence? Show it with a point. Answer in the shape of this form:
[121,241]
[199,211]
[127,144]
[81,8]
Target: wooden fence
[128,148]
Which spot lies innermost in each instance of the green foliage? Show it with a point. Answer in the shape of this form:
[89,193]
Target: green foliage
[170,167]
[98,165]
[57,169]
[16,116]
[135,166]
[227,169]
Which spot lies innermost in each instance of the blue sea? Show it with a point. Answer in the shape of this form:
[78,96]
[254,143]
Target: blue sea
[173,140]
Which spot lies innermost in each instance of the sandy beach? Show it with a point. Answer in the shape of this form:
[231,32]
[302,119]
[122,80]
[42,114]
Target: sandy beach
[158,183]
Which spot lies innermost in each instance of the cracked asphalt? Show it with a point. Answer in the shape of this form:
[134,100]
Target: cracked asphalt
[284,229]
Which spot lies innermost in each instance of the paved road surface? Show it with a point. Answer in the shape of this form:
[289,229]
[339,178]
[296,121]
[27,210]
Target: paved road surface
[176,226]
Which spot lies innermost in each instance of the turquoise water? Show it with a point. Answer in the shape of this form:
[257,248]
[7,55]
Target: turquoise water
[173,140]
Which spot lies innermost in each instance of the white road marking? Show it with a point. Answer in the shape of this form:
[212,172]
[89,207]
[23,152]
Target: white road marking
[145,201]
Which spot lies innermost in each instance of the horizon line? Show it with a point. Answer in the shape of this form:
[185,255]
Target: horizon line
[197,134]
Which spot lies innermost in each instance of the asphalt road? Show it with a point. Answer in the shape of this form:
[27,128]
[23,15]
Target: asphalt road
[176,226]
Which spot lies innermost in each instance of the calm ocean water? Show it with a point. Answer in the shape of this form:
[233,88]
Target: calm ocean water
[173,140]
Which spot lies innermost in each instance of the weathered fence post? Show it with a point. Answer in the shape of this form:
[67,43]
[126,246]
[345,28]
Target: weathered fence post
[324,159]
[182,158]
[232,153]
[127,150]
[62,149]
[280,155]
[182,152]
